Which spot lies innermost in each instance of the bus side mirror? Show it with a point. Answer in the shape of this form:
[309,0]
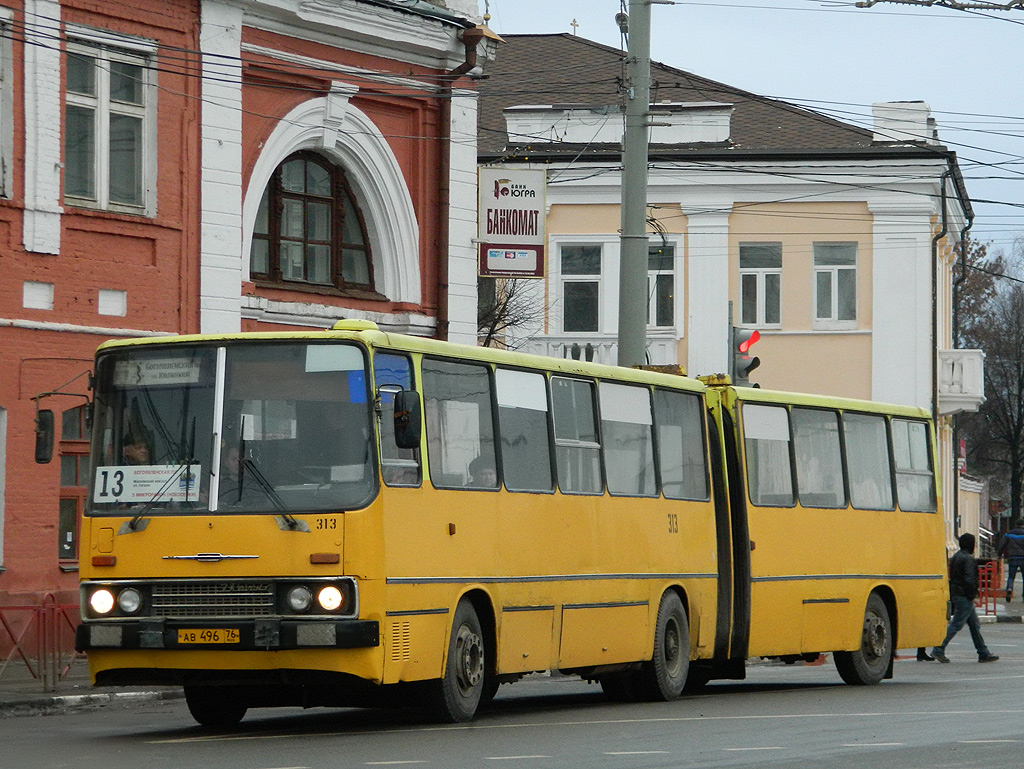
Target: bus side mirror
[44,436]
[407,419]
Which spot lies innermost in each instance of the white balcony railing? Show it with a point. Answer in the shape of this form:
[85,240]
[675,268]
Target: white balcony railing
[600,348]
[961,380]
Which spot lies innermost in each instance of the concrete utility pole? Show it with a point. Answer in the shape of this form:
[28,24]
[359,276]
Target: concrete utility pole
[633,250]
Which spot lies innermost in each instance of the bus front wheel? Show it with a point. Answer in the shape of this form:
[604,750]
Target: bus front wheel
[456,696]
[664,677]
[869,664]
[214,706]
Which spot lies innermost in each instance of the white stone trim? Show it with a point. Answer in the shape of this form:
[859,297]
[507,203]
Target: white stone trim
[42,71]
[220,271]
[97,36]
[377,183]
[361,27]
[314,315]
[707,259]
[40,325]
[463,203]
[356,73]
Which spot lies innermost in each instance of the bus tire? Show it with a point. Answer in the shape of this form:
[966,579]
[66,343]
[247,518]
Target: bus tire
[457,695]
[664,677]
[218,707]
[868,665]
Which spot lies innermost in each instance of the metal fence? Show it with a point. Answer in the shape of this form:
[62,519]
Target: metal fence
[40,638]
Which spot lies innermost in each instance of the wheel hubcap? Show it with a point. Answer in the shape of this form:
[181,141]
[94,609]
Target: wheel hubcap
[876,638]
[469,659]
[673,644]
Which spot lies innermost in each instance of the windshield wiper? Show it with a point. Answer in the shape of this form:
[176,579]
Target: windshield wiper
[133,524]
[245,463]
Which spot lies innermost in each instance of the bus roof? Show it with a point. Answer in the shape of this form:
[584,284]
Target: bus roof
[368,334]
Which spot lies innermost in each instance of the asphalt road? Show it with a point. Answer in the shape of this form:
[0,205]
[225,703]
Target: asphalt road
[929,716]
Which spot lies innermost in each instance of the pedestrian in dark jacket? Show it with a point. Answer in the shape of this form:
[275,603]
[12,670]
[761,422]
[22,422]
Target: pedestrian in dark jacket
[1011,547]
[963,589]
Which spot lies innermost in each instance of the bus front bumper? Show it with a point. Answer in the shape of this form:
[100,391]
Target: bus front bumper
[247,635]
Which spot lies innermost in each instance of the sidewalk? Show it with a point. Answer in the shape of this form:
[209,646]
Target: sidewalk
[1005,612]
[23,695]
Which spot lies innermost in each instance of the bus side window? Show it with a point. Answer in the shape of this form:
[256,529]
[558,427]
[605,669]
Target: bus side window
[460,425]
[915,483]
[399,467]
[766,446]
[626,437]
[867,461]
[523,427]
[577,448]
[681,445]
[819,459]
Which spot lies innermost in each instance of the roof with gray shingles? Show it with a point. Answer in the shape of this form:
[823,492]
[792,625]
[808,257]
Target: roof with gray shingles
[565,69]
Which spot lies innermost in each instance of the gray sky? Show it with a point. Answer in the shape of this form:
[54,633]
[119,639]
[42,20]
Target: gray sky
[838,59]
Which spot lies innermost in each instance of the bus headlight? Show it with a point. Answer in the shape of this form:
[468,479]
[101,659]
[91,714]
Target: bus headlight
[129,600]
[299,598]
[329,598]
[102,601]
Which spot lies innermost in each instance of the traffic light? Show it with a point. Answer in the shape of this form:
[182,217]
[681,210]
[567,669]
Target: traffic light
[742,363]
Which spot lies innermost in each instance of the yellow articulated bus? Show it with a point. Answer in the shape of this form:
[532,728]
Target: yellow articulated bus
[351,517]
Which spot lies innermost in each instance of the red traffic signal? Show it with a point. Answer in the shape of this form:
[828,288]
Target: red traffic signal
[748,342]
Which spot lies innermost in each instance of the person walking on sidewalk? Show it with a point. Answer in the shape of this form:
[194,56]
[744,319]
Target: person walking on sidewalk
[1011,547]
[963,589]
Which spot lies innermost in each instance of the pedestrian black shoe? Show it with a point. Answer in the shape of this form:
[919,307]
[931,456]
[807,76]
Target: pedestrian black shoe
[923,656]
[1009,596]
[936,654]
[988,658]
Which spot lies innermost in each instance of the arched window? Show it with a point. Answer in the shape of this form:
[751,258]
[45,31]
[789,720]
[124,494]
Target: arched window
[308,228]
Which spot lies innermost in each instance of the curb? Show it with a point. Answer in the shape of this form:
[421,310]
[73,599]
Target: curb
[1010,618]
[44,706]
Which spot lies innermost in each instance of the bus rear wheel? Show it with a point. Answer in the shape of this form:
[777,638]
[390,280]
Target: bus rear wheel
[457,695]
[869,664]
[664,677]
[218,707]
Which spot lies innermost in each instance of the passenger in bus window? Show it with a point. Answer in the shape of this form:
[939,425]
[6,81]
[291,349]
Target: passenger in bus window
[135,452]
[482,474]
[238,483]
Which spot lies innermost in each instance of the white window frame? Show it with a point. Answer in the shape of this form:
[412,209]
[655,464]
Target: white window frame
[832,323]
[760,275]
[6,104]
[106,47]
[595,278]
[652,287]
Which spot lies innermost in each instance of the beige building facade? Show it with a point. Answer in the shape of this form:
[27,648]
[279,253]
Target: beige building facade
[835,242]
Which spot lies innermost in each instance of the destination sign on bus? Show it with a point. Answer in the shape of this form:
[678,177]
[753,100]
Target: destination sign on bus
[147,483]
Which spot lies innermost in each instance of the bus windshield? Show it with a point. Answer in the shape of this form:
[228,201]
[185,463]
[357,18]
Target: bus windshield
[248,428]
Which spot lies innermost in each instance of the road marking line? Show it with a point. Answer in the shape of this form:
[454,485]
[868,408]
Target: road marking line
[635,752]
[511,758]
[982,742]
[392,763]
[773,747]
[477,727]
[872,744]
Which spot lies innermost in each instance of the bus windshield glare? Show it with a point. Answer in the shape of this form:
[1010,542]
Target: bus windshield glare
[248,428]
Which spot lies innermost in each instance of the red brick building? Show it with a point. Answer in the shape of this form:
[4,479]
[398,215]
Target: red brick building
[204,166]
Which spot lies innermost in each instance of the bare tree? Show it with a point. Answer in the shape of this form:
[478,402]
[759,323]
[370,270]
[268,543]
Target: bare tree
[504,306]
[992,318]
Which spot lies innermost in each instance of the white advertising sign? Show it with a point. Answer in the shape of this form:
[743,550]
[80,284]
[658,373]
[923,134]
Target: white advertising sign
[511,228]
